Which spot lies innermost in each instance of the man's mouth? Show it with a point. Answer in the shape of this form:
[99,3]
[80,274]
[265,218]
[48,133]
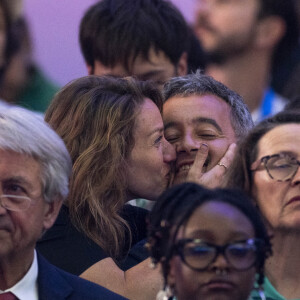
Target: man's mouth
[184,168]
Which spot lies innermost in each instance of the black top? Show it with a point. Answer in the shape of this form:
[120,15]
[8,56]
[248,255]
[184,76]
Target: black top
[71,250]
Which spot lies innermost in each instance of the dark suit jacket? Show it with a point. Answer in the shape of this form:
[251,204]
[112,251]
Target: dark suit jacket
[72,251]
[56,284]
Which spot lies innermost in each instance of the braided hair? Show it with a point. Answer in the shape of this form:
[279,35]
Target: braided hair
[174,208]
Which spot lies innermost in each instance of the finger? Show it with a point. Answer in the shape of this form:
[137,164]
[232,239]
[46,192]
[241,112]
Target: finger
[201,157]
[195,171]
[228,157]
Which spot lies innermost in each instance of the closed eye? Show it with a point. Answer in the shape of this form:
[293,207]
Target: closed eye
[172,139]
[158,140]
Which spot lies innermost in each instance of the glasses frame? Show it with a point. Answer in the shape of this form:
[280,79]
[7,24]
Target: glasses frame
[18,197]
[178,249]
[264,160]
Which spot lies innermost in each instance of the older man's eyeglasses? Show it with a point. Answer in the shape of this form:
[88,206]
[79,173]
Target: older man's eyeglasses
[15,203]
[280,167]
[199,255]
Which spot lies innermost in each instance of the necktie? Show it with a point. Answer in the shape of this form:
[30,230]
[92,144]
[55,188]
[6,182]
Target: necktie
[8,296]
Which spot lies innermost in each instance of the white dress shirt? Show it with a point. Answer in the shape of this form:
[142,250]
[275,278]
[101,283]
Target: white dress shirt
[27,287]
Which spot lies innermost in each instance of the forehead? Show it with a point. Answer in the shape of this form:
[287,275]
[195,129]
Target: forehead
[183,110]
[230,219]
[22,166]
[148,117]
[283,138]
[157,64]
[233,3]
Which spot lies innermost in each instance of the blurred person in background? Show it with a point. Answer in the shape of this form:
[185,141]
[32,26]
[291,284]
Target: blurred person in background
[245,41]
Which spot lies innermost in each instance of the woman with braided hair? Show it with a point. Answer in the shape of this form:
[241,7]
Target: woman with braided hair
[210,244]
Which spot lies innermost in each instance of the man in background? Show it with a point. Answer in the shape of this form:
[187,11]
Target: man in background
[146,38]
[245,40]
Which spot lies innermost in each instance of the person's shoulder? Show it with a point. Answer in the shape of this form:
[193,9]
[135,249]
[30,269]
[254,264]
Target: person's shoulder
[68,286]
[134,211]
[84,289]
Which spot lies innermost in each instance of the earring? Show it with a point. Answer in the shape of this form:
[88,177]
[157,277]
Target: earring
[165,294]
[261,292]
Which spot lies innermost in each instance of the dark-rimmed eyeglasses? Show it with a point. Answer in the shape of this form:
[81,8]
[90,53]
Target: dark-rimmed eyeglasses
[280,167]
[199,255]
[15,203]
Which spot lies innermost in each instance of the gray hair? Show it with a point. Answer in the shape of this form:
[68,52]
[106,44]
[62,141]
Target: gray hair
[200,84]
[25,132]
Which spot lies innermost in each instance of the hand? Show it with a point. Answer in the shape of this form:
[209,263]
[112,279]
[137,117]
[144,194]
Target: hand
[214,177]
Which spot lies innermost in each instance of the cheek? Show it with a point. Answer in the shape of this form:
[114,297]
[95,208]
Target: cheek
[217,149]
[268,196]
[247,280]
[183,281]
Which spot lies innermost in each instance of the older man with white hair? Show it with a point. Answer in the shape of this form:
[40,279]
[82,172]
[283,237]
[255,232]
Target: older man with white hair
[34,173]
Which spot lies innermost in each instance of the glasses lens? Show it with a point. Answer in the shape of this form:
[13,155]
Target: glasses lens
[15,203]
[241,255]
[281,168]
[198,256]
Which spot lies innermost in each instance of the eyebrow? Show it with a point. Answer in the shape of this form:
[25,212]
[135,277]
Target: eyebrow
[17,179]
[238,234]
[197,120]
[160,130]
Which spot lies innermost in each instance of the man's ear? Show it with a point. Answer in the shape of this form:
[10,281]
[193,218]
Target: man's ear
[90,69]
[182,65]
[270,31]
[51,212]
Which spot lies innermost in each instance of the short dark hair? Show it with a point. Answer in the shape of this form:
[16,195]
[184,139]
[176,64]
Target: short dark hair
[200,84]
[287,11]
[176,205]
[117,31]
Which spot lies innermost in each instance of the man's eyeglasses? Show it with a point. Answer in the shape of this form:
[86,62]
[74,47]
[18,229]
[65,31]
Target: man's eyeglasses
[15,203]
[199,255]
[280,167]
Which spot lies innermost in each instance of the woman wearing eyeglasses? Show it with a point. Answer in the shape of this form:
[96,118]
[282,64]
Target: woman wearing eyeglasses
[209,243]
[266,166]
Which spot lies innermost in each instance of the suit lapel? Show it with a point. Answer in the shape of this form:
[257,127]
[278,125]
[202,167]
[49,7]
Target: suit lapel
[51,284]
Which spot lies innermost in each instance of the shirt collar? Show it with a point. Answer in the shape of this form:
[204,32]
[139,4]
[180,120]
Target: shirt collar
[27,287]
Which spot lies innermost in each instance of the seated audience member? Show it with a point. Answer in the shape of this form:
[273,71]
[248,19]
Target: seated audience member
[203,120]
[209,243]
[266,166]
[34,174]
[113,130]
[246,41]
[145,38]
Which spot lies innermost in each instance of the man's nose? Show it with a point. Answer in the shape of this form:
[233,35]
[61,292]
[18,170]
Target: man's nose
[220,263]
[188,144]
